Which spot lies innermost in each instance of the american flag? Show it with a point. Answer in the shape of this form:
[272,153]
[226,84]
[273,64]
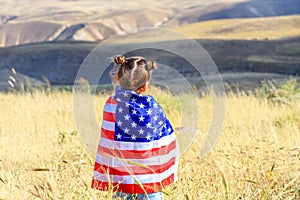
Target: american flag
[137,151]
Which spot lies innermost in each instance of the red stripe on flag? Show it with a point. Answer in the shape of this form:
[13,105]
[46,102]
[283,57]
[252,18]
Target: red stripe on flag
[133,188]
[137,154]
[107,134]
[136,170]
[108,116]
[111,100]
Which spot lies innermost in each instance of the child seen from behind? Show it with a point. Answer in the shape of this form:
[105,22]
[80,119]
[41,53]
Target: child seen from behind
[137,152]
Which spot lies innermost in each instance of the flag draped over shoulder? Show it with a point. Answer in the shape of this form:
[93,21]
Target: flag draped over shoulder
[137,151]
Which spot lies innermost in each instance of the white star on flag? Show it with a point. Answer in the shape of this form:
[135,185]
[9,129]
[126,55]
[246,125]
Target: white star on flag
[148,99]
[133,100]
[148,137]
[160,122]
[142,106]
[133,137]
[127,117]
[119,123]
[126,130]
[120,110]
[155,118]
[141,131]
[148,125]
[125,94]
[119,136]
[127,104]
[118,99]
[134,112]
[155,105]
[141,118]
[149,112]
[133,124]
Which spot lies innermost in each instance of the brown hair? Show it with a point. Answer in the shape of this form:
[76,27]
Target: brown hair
[133,72]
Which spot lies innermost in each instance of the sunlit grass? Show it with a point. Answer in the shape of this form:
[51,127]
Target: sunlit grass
[244,29]
[257,156]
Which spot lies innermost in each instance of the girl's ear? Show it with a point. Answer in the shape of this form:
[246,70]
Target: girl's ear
[144,87]
[141,89]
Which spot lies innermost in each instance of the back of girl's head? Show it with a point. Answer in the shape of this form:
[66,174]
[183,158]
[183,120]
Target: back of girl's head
[133,72]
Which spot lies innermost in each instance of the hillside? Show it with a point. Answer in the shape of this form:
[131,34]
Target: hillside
[59,62]
[24,22]
[229,10]
[245,29]
[41,40]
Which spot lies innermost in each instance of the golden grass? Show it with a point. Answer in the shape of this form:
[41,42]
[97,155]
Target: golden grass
[244,29]
[257,157]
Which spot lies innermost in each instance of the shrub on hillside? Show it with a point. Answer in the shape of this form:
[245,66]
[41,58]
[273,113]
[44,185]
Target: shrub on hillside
[279,92]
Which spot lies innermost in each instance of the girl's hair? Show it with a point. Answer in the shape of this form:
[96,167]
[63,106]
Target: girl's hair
[133,72]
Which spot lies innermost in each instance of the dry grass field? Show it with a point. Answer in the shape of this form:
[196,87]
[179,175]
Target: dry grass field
[257,156]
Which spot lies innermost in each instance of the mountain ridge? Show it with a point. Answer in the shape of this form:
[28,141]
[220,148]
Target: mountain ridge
[23,23]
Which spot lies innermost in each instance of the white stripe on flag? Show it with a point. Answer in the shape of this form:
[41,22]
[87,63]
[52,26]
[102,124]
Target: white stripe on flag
[108,107]
[131,179]
[110,126]
[119,145]
[175,174]
[155,160]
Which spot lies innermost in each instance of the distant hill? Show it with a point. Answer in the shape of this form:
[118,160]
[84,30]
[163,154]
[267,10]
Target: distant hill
[260,45]
[24,22]
[52,38]
[245,29]
[229,10]
[59,62]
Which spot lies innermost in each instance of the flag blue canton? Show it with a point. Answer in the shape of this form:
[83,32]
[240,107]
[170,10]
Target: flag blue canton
[139,118]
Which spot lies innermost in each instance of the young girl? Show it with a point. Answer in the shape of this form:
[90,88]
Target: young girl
[137,152]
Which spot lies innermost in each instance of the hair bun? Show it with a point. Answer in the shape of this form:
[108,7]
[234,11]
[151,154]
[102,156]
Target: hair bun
[119,60]
[152,65]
